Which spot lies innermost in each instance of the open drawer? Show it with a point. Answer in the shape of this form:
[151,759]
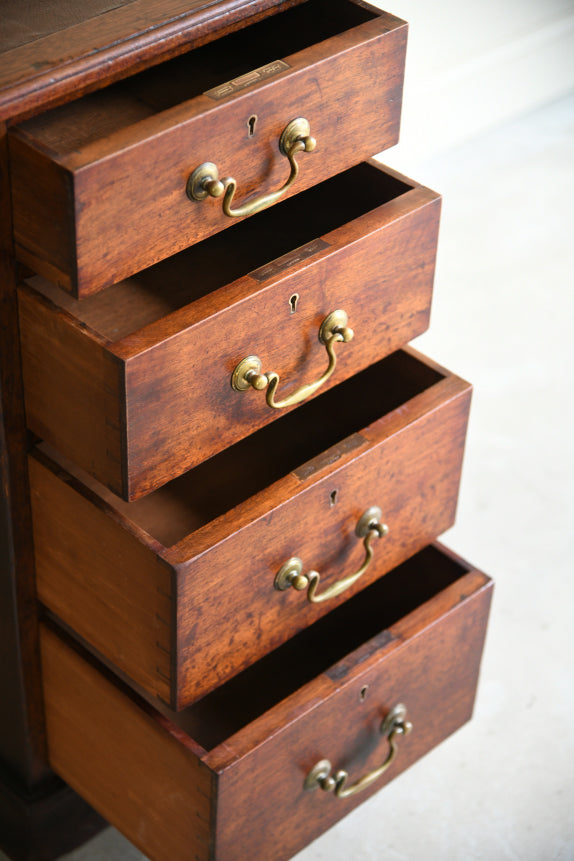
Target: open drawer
[135,384]
[232,777]
[191,584]
[105,186]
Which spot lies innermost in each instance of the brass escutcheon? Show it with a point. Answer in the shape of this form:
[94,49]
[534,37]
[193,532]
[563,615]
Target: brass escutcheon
[247,374]
[320,777]
[290,574]
[205,182]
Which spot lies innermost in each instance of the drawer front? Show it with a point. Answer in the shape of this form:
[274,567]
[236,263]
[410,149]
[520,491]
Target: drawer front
[412,475]
[126,191]
[246,796]
[160,401]
[181,620]
[432,671]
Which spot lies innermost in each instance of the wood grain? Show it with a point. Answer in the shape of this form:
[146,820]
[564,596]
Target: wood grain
[92,570]
[167,379]
[39,816]
[90,209]
[226,613]
[123,761]
[73,389]
[413,474]
[22,740]
[98,729]
[85,56]
[42,192]
[379,271]
[129,186]
[342,727]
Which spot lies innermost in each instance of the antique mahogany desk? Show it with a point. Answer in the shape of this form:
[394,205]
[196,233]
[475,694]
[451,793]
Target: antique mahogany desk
[225,621]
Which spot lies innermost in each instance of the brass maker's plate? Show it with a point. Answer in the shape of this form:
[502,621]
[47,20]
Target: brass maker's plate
[247,80]
[290,259]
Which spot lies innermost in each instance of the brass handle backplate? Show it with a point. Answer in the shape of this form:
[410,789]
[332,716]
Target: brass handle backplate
[320,777]
[205,182]
[247,374]
[291,572]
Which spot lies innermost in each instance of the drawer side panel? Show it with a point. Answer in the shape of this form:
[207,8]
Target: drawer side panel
[73,389]
[43,213]
[102,581]
[123,761]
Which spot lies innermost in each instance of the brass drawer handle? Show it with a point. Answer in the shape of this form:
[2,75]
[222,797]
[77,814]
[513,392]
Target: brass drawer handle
[393,725]
[290,574]
[248,374]
[204,181]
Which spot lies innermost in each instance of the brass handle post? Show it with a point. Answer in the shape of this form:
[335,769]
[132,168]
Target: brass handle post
[205,182]
[248,374]
[368,527]
[394,724]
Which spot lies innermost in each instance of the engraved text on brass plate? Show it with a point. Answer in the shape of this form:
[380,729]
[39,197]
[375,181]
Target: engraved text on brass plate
[247,80]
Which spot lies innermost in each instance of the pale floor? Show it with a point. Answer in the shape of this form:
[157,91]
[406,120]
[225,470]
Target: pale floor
[503,786]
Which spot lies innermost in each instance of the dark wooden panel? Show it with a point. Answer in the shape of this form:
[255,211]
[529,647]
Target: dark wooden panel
[46,824]
[40,818]
[86,56]
[25,21]
[21,719]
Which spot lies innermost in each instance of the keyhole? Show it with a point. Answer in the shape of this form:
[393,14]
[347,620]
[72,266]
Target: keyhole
[332,498]
[293,302]
[251,125]
[363,693]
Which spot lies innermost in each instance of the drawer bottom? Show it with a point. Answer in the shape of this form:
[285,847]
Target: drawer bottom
[232,777]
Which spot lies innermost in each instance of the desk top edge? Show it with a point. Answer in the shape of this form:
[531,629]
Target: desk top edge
[76,59]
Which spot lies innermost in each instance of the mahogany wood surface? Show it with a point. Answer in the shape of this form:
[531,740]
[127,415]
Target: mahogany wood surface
[153,773]
[247,784]
[129,206]
[39,817]
[74,58]
[133,596]
[72,379]
[134,383]
[277,491]
[21,719]
[25,21]
[280,817]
